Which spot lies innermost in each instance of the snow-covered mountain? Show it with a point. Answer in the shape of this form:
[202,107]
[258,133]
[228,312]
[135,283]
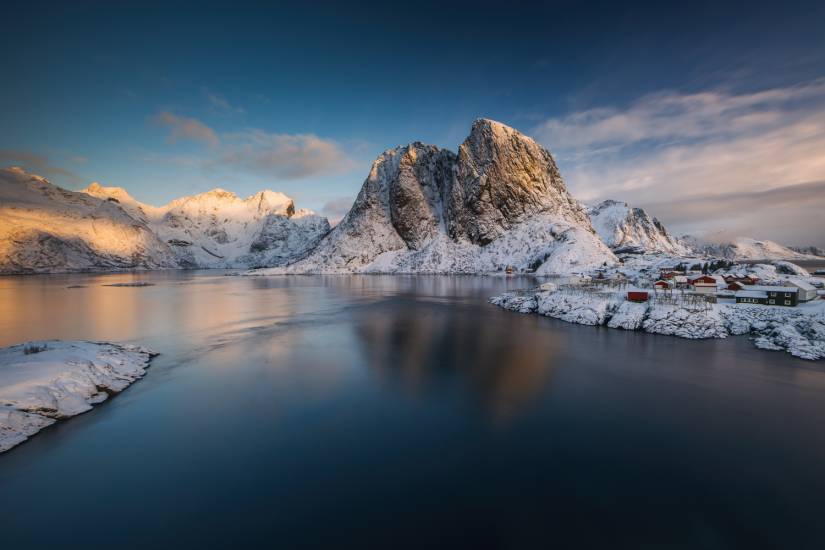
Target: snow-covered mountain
[44,228]
[500,202]
[632,230]
[809,250]
[219,229]
[742,248]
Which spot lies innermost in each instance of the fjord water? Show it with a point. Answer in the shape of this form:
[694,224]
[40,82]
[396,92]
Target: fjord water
[406,411]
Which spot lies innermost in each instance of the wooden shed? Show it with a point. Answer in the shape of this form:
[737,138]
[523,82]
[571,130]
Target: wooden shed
[637,295]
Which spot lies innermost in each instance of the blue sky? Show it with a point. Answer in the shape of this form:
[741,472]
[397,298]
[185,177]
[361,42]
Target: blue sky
[177,98]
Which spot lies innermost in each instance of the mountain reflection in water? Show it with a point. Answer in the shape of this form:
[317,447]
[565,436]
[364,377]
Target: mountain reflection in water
[416,347]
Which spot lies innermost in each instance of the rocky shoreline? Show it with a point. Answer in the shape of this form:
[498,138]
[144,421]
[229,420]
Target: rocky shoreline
[798,331]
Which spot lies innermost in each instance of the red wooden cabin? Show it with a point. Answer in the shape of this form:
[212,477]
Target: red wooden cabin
[637,295]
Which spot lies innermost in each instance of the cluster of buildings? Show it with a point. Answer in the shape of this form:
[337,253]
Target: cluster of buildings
[704,288]
[744,289]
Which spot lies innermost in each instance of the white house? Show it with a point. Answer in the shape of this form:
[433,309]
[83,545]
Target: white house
[680,281]
[702,284]
[806,292]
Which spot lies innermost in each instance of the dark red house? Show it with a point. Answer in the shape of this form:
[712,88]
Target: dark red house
[637,295]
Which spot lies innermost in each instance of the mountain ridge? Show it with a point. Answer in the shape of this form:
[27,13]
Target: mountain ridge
[498,203]
[48,229]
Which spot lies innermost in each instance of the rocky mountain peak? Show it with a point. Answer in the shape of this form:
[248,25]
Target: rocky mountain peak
[272,202]
[502,177]
[500,202]
[95,189]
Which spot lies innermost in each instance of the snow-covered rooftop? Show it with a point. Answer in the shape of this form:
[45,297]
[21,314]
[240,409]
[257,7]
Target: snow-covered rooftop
[802,284]
[751,294]
[773,288]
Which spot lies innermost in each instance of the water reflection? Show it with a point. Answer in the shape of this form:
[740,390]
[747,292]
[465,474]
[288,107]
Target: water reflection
[418,347]
[365,405]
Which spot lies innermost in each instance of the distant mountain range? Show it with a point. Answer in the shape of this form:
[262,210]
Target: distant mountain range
[743,248]
[44,228]
[499,202]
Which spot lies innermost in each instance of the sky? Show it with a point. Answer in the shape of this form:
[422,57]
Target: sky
[711,115]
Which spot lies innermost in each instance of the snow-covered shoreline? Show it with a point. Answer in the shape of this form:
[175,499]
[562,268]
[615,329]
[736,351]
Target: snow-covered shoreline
[800,331]
[45,381]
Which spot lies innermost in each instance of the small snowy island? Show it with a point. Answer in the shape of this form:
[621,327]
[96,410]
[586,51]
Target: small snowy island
[45,381]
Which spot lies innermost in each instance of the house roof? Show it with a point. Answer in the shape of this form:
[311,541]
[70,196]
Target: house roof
[774,288]
[802,284]
[751,294]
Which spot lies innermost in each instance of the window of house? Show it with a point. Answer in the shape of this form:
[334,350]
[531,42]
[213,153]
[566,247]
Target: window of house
[787,302]
[771,301]
[773,294]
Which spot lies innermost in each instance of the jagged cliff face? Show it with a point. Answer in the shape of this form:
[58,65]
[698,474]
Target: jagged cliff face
[632,230]
[500,202]
[503,176]
[417,192]
[44,228]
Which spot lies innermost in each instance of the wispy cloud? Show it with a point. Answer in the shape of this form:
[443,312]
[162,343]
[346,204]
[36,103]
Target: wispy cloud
[790,214]
[37,164]
[673,116]
[284,156]
[669,147]
[220,103]
[184,128]
[272,155]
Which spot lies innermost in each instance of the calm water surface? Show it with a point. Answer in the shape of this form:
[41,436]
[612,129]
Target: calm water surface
[406,411]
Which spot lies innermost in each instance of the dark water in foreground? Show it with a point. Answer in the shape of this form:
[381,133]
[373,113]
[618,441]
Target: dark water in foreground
[404,411]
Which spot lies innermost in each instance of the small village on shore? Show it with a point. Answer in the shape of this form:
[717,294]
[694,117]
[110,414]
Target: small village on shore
[785,284]
[779,304]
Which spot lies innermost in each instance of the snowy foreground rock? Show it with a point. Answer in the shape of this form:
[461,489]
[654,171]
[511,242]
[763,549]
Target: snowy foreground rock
[46,381]
[799,331]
